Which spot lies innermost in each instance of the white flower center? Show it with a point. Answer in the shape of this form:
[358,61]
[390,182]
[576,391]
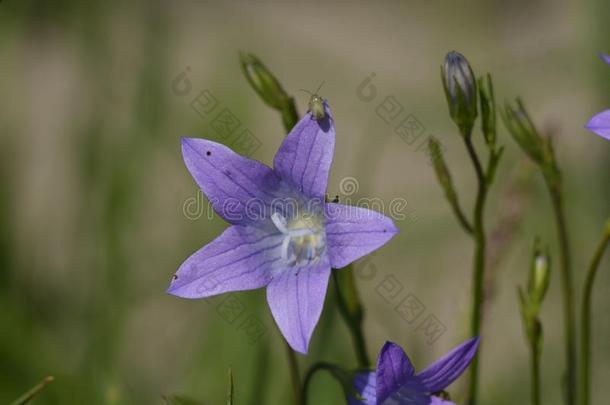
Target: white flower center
[304,239]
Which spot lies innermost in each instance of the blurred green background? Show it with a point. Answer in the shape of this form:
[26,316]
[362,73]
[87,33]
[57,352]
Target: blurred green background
[94,191]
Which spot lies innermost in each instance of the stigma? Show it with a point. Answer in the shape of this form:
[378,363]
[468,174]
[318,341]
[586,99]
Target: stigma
[304,240]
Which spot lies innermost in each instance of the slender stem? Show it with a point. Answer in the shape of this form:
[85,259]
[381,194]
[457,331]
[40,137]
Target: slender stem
[566,285]
[231,390]
[585,348]
[352,313]
[472,153]
[457,210]
[343,377]
[308,377]
[360,346]
[535,364]
[295,376]
[28,396]
[479,263]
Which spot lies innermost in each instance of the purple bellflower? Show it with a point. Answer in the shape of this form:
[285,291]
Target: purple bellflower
[600,123]
[283,234]
[396,383]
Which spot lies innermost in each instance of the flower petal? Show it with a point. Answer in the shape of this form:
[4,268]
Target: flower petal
[242,258]
[605,57]
[393,371]
[600,124]
[304,158]
[352,232]
[411,393]
[440,401]
[364,385]
[232,183]
[296,297]
[439,375]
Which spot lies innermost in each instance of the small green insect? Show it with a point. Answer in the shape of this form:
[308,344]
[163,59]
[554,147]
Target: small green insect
[316,103]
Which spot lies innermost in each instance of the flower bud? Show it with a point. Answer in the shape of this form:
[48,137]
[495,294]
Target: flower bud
[488,110]
[461,90]
[523,131]
[442,171]
[539,276]
[263,81]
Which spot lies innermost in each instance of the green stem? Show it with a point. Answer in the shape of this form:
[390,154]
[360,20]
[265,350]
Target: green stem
[585,348]
[566,285]
[320,366]
[28,396]
[535,365]
[231,390]
[479,263]
[461,217]
[352,312]
[295,376]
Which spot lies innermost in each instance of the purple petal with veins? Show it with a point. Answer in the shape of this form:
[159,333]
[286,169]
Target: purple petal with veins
[600,124]
[284,236]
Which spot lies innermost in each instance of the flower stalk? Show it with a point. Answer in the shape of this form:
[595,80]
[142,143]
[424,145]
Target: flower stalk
[585,330]
[342,376]
[295,375]
[352,312]
[540,150]
[479,261]
[462,92]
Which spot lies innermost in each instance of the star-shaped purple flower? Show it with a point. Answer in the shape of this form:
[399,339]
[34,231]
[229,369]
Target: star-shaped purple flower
[396,383]
[283,234]
[600,123]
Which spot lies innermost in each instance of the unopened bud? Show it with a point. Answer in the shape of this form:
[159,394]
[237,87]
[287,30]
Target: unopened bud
[442,171]
[523,131]
[541,274]
[263,81]
[488,110]
[539,277]
[461,90]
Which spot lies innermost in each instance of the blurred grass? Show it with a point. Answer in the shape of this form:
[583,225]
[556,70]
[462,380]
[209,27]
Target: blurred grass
[91,221]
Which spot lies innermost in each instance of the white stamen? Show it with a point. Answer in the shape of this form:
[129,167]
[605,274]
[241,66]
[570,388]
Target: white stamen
[280,222]
[298,243]
[297,233]
[285,246]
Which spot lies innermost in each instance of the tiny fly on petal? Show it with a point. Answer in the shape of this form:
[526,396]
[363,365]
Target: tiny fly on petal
[316,103]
